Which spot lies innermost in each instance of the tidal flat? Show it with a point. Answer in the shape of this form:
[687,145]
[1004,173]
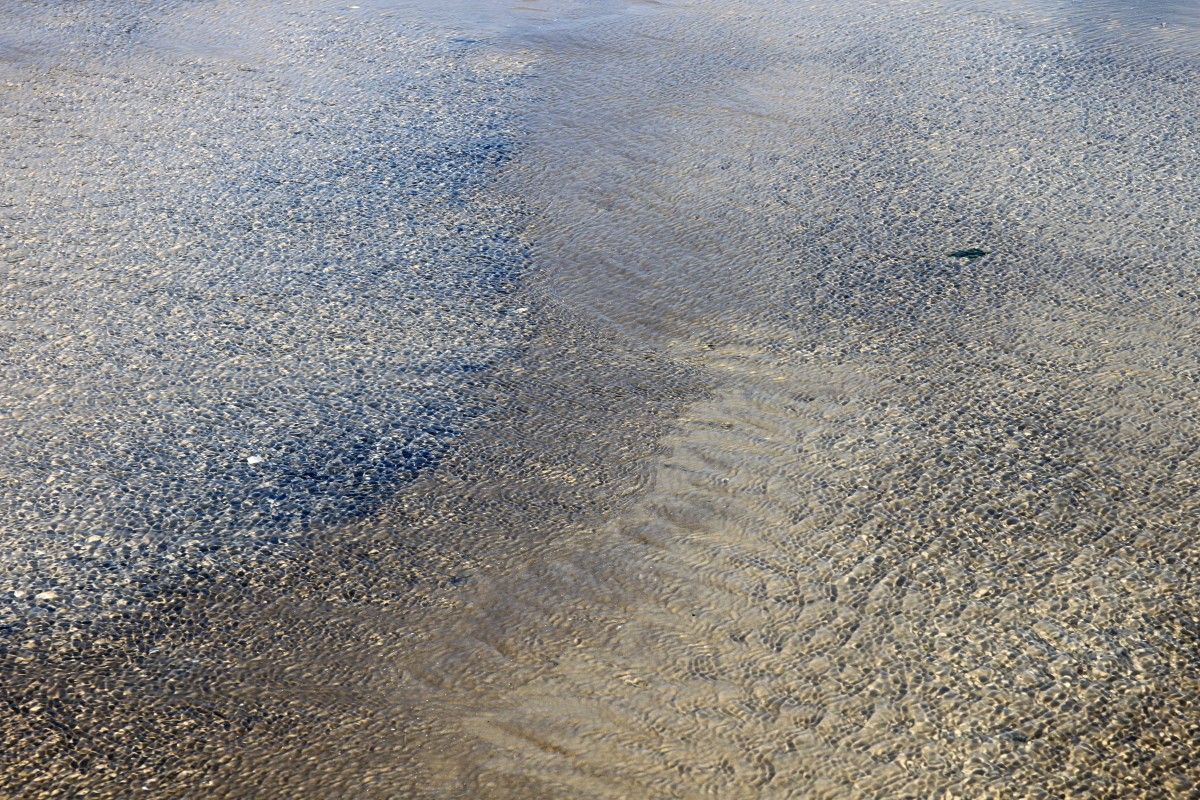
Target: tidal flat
[565,399]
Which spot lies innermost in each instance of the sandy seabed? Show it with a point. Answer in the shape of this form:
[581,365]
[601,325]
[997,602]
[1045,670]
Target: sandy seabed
[570,400]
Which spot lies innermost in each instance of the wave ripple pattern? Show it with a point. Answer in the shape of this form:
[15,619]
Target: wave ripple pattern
[936,532]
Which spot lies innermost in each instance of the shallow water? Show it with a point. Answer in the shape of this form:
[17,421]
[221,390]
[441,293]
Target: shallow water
[772,496]
[251,284]
[933,532]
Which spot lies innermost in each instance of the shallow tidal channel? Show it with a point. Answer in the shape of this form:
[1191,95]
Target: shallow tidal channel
[564,399]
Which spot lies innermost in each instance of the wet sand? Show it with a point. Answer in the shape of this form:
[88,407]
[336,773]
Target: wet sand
[772,496]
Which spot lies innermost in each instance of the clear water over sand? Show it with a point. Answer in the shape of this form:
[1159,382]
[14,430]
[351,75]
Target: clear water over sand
[933,532]
[777,498]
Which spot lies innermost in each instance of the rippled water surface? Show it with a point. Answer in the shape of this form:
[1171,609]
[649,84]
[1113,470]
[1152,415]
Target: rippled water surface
[760,399]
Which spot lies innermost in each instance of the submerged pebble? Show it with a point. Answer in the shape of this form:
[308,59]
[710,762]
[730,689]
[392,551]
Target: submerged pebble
[971,252]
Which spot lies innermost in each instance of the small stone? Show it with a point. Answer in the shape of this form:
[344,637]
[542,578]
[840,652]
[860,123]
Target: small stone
[255,460]
[970,252]
[46,596]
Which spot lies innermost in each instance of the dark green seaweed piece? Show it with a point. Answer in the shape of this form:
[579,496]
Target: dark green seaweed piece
[972,252]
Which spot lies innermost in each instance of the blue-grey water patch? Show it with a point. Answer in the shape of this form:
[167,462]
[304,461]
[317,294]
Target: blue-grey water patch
[253,279]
